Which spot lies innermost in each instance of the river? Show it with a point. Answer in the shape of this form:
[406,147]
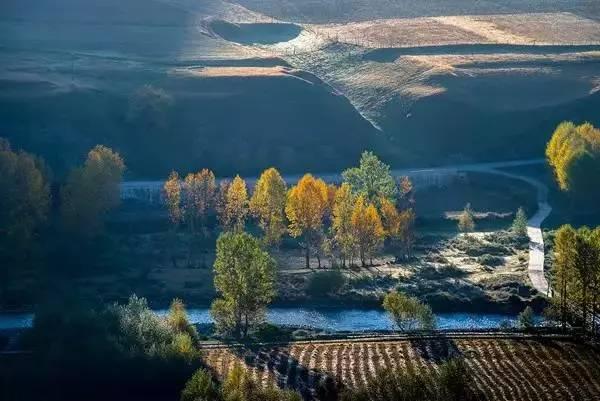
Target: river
[354,320]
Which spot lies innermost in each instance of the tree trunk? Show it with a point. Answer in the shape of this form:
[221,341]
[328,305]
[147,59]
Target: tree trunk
[319,260]
[307,256]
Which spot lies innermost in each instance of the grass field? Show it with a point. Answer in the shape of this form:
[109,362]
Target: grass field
[506,369]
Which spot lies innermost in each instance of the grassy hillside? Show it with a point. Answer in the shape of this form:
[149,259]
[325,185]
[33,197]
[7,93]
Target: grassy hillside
[431,87]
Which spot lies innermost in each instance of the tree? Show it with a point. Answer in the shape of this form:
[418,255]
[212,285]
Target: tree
[466,222]
[236,206]
[341,225]
[91,192]
[372,179]
[563,269]
[573,152]
[408,313]
[526,318]
[178,320]
[24,198]
[519,225]
[245,281]
[305,209]
[199,198]
[268,205]
[367,229]
[172,197]
[407,232]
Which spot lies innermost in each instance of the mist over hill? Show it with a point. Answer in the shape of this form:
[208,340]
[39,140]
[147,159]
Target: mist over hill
[301,85]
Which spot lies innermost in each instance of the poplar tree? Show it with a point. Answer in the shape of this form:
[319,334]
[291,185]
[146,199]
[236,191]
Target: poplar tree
[236,206]
[268,205]
[305,209]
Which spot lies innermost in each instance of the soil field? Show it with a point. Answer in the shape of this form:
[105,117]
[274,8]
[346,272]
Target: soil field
[505,369]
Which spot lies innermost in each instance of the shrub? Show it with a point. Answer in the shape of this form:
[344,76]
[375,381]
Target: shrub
[200,387]
[239,386]
[408,313]
[178,320]
[325,283]
[526,318]
[490,260]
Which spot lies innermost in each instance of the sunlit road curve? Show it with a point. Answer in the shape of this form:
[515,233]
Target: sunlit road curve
[151,191]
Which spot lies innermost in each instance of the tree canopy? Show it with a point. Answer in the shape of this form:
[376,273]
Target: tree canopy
[245,281]
[268,205]
[305,209]
[574,155]
[371,179]
[24,196]
[92,191]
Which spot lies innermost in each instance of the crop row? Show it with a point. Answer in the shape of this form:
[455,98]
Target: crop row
[502,369]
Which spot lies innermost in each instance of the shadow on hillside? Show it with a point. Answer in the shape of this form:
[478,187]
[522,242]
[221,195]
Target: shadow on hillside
[286,371]
[438,350]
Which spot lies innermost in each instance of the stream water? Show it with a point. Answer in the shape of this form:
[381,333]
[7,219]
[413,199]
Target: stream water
[356,320]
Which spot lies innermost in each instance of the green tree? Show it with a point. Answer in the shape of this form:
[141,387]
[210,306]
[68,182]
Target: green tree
[372,179]
[268,205]
[245,281]
[200,387]
[526,318]
[408,313]
[178,320]
[519,225]
[91,192]
[466,223]
[563,269]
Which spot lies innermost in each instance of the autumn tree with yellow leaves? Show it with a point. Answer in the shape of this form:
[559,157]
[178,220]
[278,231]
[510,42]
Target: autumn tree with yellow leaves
[172,199]
[199,198]
[235,208]
[574,155]
[267,205]
[367,228]
[91,191]
[341,224]
[305,209]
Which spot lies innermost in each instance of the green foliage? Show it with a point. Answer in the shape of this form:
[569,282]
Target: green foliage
[490,260]
[449,383]
[576,273]
[239,386]
[245,280]
[408,313]
[574,154]
[519,225]
[372,179]
[325,283]
[178,320]
[526,318]
[200,387]
[113,349]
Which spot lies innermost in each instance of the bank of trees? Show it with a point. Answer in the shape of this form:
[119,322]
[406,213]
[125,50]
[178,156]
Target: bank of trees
[35,224]
[574,155]
[348,223]
[576,275]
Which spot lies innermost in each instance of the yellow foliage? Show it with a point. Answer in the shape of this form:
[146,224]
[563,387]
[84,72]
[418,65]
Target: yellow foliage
[268,204]
[367,227]
[306,205]
[236,205]
[343,207]
[574,154]
[172,195]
